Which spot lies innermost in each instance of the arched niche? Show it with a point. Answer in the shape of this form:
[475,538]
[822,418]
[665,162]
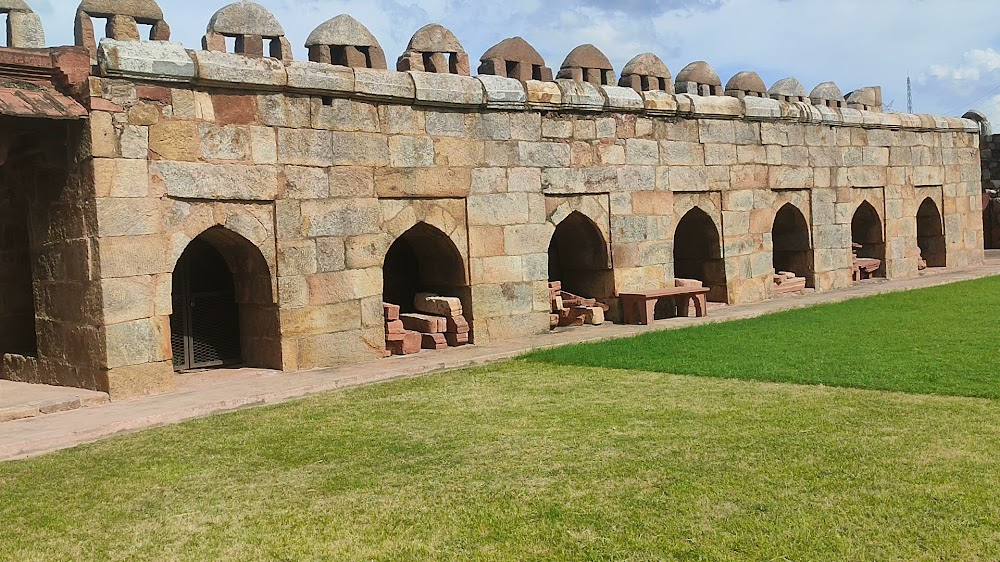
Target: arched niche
[867,231]
[223,305]
[792,245]
[424,260]
[930,234]
[698,253]
[578,258]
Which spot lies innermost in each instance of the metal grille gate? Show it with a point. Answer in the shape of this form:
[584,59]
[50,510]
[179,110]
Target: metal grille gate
[205,325]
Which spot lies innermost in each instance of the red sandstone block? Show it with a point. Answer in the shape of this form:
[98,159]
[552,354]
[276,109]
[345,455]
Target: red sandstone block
[553,321]
[153,93]
[457,340]
[556,285]
[424,323]
[572,317]
[101,104]
[394,327]
[407,345]
[457,325]
[433,341]
[394,337]
[391,311]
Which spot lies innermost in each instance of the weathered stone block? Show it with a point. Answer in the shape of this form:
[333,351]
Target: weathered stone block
[423,182]
[312,77]
[228,69]
[503,93]
[447,89]
[305,147]
[384,85]
[216,181]
[360,149]
[162,61]
[341,217]
[117,177]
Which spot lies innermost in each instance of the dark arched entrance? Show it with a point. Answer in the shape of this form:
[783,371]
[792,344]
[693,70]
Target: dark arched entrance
[792,246]
[698,253]
[930,235]
[223,307]
[424,260]
[17,299]
[578,258]
[866,230]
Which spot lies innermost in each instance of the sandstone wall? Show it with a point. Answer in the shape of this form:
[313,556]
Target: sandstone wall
[320,168]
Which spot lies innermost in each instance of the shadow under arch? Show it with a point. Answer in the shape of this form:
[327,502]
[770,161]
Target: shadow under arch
[18,335]
[792,245]
[224,311]
[930,234]
[578,258]
[866,230]
[698,253]
[424,260]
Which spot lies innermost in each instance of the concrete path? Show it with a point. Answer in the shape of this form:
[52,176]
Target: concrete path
[222,391]
[19,400]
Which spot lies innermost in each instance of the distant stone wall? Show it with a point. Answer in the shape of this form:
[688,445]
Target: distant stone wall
[323,185]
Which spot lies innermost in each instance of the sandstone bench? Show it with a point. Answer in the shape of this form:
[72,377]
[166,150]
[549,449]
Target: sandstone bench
[639,307]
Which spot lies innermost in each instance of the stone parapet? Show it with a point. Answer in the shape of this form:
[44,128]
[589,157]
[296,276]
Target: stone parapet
[162,62]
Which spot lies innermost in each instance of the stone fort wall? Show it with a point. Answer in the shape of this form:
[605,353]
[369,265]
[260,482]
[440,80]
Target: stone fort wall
[304,173]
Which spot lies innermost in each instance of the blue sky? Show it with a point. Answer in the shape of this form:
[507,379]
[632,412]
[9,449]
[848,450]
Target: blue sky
[951,48]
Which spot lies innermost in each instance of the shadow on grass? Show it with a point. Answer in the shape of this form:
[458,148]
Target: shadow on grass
[941,340]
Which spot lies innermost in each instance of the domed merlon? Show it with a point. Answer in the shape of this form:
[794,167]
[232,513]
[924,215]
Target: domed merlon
[433,48]
[122,18]
[14,6]
[587,63]
[827,94]
[24,26]
[646,72]
[250,23]
[245,18]
[146,11]
[515,58]
[788,90]
[698,78]
[345,41]
[746,84]
[434,38]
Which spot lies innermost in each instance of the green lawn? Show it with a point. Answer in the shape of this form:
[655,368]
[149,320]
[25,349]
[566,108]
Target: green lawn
[943,340]
[532,461]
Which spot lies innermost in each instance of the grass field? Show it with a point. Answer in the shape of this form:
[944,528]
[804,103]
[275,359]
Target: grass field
[943,340]
[528,460]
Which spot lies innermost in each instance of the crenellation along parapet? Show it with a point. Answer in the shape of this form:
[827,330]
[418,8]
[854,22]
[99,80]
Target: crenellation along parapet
[250,24]
[24,26]
[122,19]
[162,62]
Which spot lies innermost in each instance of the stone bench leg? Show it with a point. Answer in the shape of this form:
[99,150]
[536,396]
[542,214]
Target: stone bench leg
[700,305]
[683,306]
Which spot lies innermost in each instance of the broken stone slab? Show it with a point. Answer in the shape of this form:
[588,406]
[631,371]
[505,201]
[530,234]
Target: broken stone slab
[580,96]
[395,327]
[622,99]
[572,317]
[433,341]
[553,321]
[408,344]
[594,316]
[391,311]
[441,306]
[761,108]
[457,325]
[433,88]
[503,93]
[543,95]
[163,61]
[228,69]
[318,78]
[457,340]
[851,117]
[424,323]
[24,30]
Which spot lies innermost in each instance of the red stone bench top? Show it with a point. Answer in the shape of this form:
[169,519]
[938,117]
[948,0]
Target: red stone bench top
[671,292]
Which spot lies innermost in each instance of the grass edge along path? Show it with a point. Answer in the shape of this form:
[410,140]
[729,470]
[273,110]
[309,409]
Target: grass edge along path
[940,340]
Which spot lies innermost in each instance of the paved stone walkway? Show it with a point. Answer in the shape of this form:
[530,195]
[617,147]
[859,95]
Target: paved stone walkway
[222,391]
